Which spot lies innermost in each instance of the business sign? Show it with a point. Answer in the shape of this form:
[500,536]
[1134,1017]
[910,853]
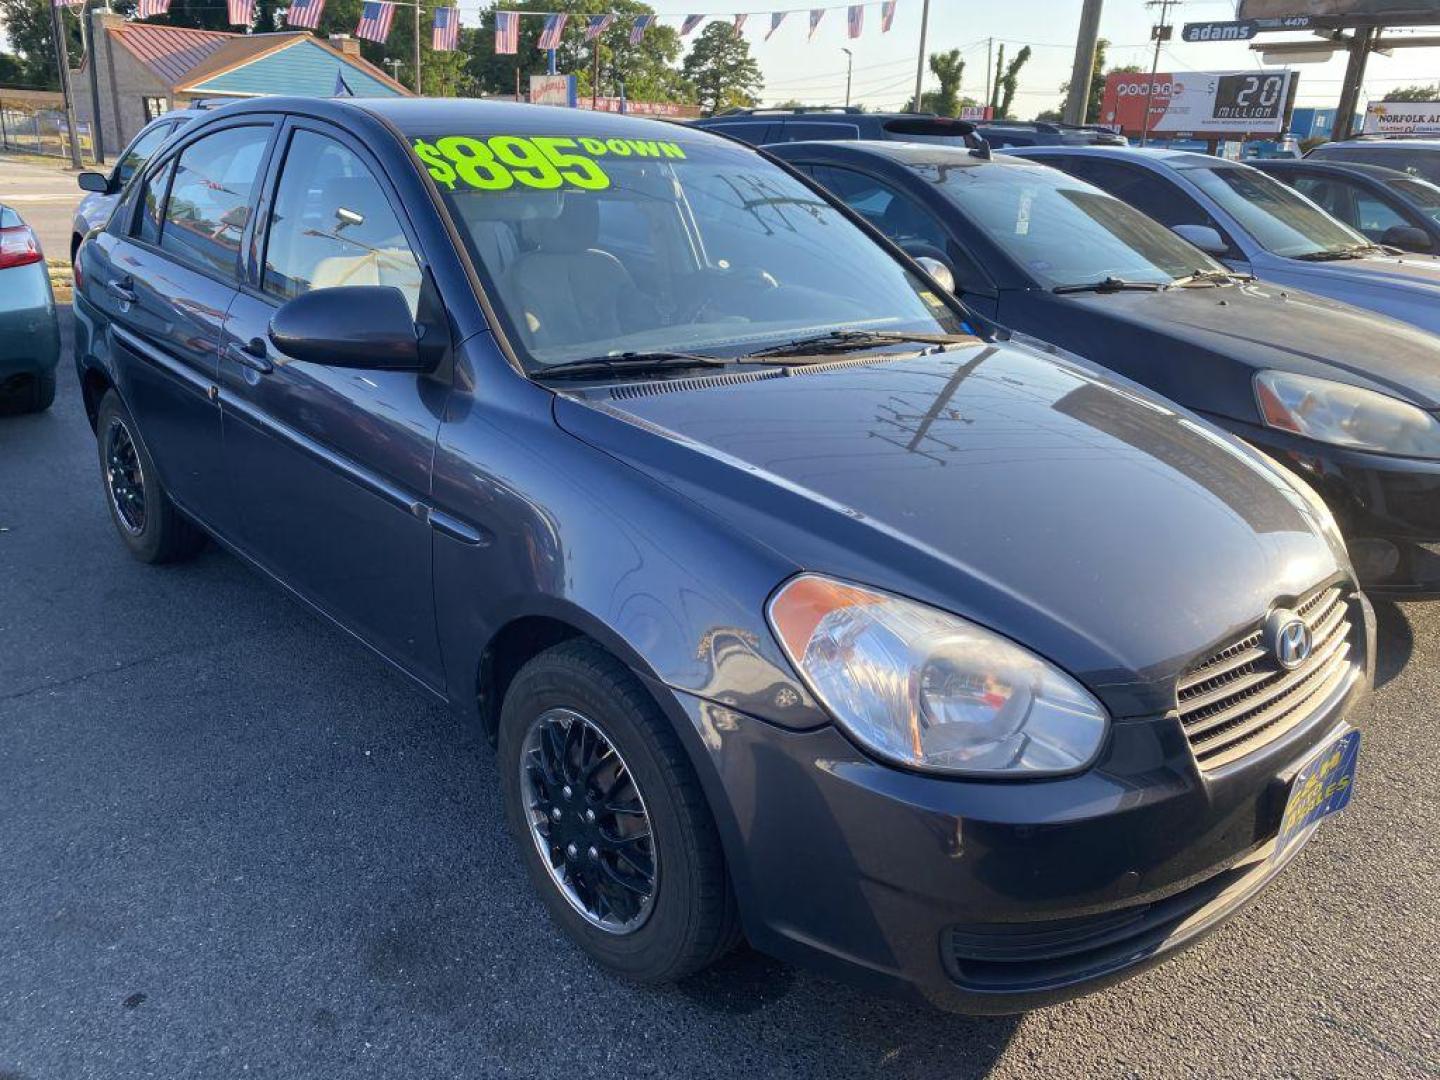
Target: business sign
[1386,12]
[1403,118]
[1234,30]
[976,113]
[1214,104]
[672,109]
[552,90]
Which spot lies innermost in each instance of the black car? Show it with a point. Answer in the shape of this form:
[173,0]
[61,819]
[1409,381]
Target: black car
[1416,156]
[1346,397]
[794,603]
[1390,207]
[761,127]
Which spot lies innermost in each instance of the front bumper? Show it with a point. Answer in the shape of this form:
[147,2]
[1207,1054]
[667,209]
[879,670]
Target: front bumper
[993,897]
[1388,508]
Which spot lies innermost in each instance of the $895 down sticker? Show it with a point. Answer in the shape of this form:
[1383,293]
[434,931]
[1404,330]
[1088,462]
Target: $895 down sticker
[499,162]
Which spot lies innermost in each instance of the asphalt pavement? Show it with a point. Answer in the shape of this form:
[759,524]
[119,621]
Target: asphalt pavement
[45,194]
[233,843]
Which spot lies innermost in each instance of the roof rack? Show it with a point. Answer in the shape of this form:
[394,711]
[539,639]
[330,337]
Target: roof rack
[790,110]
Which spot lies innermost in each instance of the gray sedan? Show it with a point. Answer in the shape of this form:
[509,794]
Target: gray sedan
[1257,225]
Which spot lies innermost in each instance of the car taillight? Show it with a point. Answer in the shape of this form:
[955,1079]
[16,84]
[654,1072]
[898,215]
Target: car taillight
[19,246]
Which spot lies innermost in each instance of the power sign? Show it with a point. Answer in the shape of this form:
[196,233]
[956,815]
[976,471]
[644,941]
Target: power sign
[1205,104]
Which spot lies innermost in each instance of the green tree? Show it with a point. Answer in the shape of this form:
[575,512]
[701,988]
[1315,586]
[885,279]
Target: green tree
[646,70]
[1002,94]
[721,70]
[1097,85]
[27,26]
[949,68]
[1415,93]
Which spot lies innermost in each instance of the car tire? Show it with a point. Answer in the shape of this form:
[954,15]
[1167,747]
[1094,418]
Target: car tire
[149,524]
[42,392]
[690,919]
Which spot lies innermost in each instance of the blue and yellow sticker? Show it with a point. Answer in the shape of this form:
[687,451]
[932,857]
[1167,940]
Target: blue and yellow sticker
[1321,788]
[543,162]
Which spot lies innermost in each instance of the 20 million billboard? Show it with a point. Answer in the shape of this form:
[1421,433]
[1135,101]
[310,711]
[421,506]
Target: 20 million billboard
[1205,104]
[1388,12]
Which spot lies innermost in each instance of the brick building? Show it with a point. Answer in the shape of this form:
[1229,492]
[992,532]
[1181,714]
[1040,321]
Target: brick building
[143,69]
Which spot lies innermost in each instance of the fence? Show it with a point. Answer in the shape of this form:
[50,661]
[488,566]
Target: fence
[40,131]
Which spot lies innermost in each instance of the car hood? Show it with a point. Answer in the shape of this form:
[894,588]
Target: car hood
[1201,346]
[1092,522]
[1417,272]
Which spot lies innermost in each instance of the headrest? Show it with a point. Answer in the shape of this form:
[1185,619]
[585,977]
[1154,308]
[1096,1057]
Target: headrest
[577,228]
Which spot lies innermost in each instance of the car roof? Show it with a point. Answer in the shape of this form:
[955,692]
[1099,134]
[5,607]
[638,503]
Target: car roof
[1403,143]
[1124,153]
[903,153]
[1353,168]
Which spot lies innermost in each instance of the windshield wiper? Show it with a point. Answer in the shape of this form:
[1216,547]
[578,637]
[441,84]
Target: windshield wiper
[1358,251]
[846,340]
[1211,277]
[628,363]
[1111,284]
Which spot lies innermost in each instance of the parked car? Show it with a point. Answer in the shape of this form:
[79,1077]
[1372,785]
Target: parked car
[104,188]
[29,332]
[1418,157]
[1390,207]
[1257,225]
[1297,375]
[792,602]
[765,126]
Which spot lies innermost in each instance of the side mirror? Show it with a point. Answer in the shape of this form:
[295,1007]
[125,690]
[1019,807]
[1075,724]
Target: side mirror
[1407,237]
[937,270]
[1203,237]
[352,326]
[93,181]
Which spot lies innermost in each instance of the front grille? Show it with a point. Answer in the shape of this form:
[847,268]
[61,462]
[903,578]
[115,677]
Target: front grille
[1240,698]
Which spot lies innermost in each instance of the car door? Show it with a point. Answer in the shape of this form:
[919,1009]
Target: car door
[330,466]
[912,227]
[167,286]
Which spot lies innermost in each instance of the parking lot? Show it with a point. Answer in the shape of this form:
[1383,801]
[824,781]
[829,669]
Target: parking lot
[235,843]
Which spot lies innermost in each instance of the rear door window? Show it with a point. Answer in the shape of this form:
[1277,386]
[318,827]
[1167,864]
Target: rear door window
[749,131]
[211,198]
[805,132]
[152,204]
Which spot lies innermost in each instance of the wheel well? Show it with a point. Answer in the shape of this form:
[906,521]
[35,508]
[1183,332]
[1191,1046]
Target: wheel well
[93,386]
[514,645]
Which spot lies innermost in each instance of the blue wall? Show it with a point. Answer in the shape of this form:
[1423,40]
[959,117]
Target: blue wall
[306,69]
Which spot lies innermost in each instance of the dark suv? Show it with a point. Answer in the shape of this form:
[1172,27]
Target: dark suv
[1418,157]
[760,126]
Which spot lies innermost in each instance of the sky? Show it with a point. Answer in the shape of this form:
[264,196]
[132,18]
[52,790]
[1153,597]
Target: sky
[884,64]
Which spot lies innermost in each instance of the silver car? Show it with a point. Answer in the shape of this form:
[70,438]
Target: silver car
[104,188]
[1256,225]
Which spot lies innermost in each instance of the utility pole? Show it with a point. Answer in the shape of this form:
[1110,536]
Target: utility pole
[62,55]
[989,65]
[1082,72]
[97,132]
[849,67]
[1161,33]
[1362,40]
[920,61]
[418,5]
[594,72]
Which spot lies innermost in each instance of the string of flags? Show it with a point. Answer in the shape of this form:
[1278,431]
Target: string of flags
[376,17]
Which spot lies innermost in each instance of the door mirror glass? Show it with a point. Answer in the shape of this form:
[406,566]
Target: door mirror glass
[93,181]
[1204,237]
[937,270]
[355,326]
[1407,238]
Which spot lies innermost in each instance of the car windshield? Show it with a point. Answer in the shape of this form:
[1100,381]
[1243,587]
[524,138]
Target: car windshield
[1276,217]
[1061,230]
[1421,194]
[595,248]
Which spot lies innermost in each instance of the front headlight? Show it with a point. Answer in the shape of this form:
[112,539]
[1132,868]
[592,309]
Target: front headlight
[1334,412]
[927,689]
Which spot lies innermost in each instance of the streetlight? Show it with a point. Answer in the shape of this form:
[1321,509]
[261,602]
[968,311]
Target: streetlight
[849,66]
[394,66]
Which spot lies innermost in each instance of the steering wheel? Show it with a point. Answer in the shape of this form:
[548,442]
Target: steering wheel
[712,284]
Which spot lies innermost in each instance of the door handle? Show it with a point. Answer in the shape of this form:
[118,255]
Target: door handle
[252,354]
[123,289]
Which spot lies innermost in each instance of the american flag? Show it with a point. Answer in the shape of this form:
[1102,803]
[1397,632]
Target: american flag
[507,33]
[375,19]
[638,28]
[445,29]
[887,15]
[597,25]
[691,21]
[148,9]
[816,14]
[550,36]
[855,19]
[303,13]
[739,25]
[776,18]
[242,12]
